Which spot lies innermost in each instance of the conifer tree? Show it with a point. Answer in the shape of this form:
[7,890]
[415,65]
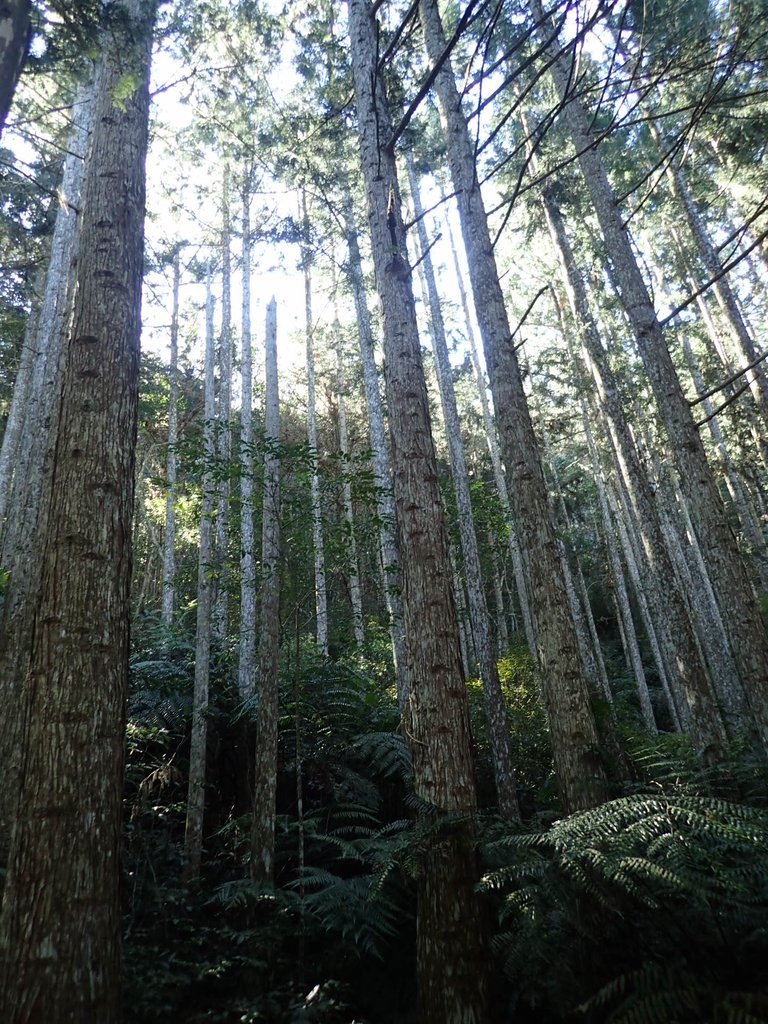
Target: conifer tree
[59,927]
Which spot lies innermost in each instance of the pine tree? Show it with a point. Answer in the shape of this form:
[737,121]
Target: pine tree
[60,916]
[265,772]
[450,946]
[574,734]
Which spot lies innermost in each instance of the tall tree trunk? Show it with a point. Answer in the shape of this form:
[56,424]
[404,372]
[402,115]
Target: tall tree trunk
[451,956]
[265,773]
[584,618]
[20,401]
[169,536]
[678,708]
[626,621]
[718,543]
[193,836]
[670,615]
[502,632]
[247,661]
[25,443]
[739,404]
[224,426]
[321,596]
[493,449]
[479,618]
[60,922]
[753,534]
[575,742]
[382,473]
[741,337]
[15,34]
[346,488]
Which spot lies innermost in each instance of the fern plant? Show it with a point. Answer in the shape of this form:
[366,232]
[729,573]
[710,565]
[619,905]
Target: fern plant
[647,909]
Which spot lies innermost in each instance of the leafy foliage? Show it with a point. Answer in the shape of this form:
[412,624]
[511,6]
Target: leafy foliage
[652,908]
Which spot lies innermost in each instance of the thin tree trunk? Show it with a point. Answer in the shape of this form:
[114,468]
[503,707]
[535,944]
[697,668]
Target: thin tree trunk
[193,836]
[672,624]
[265,772]
[382,473]
[626,621]
[502,632]
[224,428]
[321,596]
[25,444]
[742,339]
[718,543]
[493,449]
[479,618]
[60,922]
[468,659]
[14,425]
[733,483]
[169,537]
[354,571]
[742,405]
[678,708]
[584,617]
[450,945]
[247,660]
[575,742]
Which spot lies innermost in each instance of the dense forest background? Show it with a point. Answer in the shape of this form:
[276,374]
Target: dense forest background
[388,641]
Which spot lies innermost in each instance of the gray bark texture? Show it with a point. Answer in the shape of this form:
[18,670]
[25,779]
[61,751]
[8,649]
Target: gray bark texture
[193,836]
[169,536]
[670,615]
[224,426]
[624,608]
[247,661]
[493,449]
[450,946]
[729,305]
[356,597]
[265,770]
[25,453]
[60,921]
[382,472]
[321,593]
[580,773]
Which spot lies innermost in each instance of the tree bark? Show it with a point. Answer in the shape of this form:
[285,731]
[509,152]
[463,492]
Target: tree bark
[60,923]
[670,615]
[247,661]
[193,836]
[169,536]
[265,772]
[321,595]
[224,426]
[382,472]
[629,634]
[346,489]
[742,339]
[451,956]
[25,442]
[479,618]
[580,773]
[753,534]
[493,450]
[718,543]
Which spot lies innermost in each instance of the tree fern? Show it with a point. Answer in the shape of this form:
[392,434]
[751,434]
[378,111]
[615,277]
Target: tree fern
[648,909]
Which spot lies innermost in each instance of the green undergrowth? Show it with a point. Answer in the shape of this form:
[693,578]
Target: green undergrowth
[650,908]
